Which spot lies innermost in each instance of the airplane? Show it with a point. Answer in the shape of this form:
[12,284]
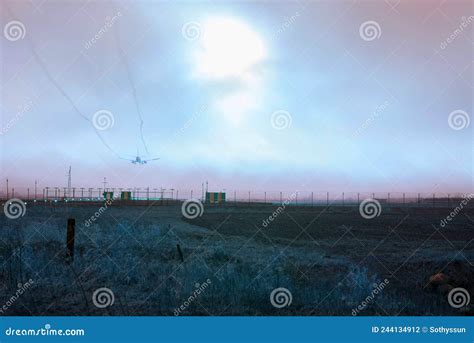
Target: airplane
[139,160]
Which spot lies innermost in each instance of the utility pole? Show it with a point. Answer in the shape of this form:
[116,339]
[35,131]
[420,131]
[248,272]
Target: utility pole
[36,186]
[68,183]
[8,191]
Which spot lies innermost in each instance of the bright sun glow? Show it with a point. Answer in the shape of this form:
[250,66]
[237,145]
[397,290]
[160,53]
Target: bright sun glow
[229,48]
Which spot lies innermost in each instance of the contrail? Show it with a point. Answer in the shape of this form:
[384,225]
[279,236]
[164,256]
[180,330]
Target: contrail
[134,90]
[57,85]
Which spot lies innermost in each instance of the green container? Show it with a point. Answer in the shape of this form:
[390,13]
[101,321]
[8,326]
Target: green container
[215,197]
[126,196]
[108,195]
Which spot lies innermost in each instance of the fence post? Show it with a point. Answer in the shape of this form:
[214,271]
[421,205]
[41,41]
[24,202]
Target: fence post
[71,223]
[180,253]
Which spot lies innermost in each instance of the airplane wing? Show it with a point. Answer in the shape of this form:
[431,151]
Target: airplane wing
[126,159]
[151,159]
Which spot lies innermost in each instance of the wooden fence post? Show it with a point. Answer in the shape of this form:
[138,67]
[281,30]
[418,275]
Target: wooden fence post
[71,224]
[180,253]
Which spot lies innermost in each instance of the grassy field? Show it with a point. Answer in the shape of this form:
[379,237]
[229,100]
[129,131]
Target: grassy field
[329,259]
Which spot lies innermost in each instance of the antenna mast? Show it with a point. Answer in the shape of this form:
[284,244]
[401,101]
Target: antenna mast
[69,183]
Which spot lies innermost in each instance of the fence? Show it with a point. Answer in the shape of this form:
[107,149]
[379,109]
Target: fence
[300,198]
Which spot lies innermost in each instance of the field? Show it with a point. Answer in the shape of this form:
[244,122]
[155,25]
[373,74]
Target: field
[231,258]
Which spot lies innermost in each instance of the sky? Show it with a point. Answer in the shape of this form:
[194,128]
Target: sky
[256,95]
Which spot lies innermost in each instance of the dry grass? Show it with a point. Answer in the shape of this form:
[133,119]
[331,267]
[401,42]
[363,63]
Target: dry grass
[330,267]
